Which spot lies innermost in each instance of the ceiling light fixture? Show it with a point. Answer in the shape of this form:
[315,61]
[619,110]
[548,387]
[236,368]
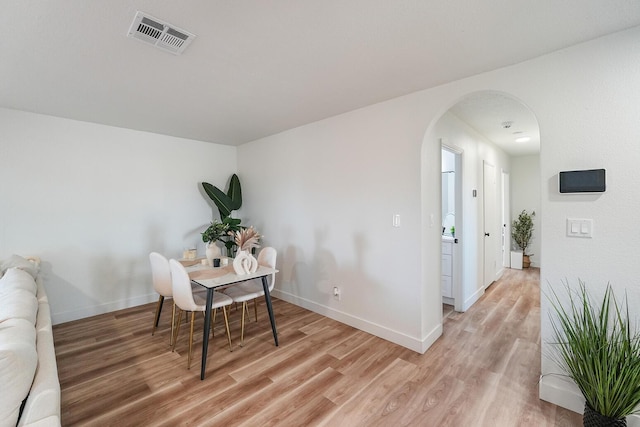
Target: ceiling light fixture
[506,125]
[523,139]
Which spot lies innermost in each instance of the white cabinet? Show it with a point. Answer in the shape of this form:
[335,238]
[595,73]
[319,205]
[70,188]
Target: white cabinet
[447,269]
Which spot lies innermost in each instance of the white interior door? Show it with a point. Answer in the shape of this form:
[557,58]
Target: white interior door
[506,220]
[490,221]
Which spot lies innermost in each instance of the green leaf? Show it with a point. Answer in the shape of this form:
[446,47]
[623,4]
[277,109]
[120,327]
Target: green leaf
[226,203]
[221,200]
[235,192]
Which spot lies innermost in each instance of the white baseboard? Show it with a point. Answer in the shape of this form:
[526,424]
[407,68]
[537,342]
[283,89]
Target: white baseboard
[561,392]
[395,337]
[564,393]
[68,316]
[472,299]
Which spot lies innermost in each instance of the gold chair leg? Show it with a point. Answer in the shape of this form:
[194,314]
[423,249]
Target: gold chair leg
[156,318]
[175,337]
[173,323]
[244,308]
[193,319]
[226,324]
[213,322]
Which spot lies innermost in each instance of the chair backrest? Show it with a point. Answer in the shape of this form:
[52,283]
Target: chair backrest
[160,274]
[267,257]
[182,294]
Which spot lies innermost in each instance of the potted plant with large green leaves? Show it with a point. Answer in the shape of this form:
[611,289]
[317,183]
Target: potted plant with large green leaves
[226,203]
[521,232]
[221,232]
[600,350]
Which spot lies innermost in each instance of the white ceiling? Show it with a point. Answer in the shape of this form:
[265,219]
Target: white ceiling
[501,119]
[258,67]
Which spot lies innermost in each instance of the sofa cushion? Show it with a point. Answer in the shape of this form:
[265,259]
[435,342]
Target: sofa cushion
[18,296]
[19,262]
[44,396]
[18,361]
[15,278]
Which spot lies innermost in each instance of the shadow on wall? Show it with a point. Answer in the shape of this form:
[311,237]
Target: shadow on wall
[104,283]
[314,281]
[59,292]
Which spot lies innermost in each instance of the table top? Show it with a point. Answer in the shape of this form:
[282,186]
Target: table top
[212,277]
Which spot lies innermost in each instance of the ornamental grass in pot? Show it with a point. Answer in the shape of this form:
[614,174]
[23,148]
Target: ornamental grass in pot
[600,350]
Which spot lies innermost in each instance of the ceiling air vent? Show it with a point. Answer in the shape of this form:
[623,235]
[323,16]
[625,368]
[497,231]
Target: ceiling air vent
[159,33]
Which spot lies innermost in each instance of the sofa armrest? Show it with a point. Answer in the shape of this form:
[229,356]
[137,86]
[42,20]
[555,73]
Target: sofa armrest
[43,402]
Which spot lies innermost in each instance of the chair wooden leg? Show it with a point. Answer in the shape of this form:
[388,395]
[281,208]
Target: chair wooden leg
[193,319]
[226,324]
[175,337]
[157,317]
[255,307]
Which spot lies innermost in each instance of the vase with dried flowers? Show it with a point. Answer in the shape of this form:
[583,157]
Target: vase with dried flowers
[246,240]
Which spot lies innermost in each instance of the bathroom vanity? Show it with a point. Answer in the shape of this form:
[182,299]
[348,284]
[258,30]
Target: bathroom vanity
[447,270]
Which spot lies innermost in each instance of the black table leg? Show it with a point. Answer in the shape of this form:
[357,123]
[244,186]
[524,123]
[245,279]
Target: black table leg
[205,337]
[267,298]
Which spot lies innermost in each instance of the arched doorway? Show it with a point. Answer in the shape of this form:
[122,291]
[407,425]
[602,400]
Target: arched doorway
[488,129]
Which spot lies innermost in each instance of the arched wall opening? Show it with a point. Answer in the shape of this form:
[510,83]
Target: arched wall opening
[476,151]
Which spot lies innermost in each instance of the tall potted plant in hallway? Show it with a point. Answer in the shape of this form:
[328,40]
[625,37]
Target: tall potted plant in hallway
[521,232]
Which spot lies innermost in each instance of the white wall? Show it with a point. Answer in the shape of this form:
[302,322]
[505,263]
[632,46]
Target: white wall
[92,201]
[525,194]
[325,193]
[475,150]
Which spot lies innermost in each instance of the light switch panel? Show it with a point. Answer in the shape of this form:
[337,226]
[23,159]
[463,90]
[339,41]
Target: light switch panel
[579,227]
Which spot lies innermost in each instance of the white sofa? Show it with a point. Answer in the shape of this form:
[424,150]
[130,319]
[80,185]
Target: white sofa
[30,389]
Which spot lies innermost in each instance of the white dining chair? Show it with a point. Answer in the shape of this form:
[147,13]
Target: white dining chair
[161,278]
[244,292]
[186,301]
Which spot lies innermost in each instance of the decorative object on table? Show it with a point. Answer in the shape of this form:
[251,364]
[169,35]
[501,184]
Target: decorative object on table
[216,262]
[222,232]
[600,351]
[244,263]
[246,240]
[521,231]
[189,253]
[212,252]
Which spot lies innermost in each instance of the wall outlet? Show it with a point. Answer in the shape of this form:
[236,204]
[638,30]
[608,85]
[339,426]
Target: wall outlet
[336,293]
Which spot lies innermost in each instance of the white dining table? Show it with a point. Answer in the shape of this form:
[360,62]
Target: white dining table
[216,277]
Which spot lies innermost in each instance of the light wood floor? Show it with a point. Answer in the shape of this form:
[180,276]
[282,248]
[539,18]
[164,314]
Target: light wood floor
[483,371]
